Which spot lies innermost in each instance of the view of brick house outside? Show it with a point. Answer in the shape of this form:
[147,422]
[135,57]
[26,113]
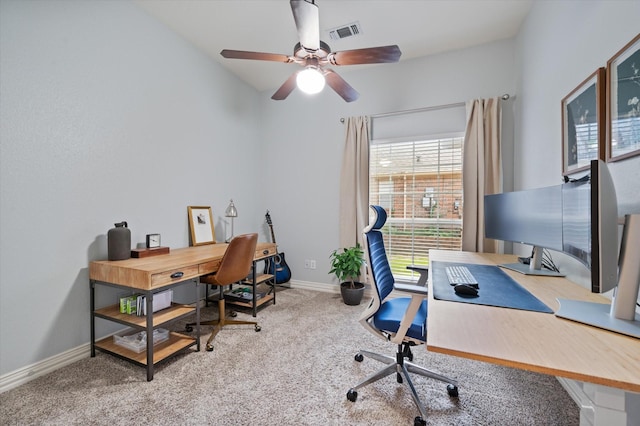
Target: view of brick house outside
[419,184]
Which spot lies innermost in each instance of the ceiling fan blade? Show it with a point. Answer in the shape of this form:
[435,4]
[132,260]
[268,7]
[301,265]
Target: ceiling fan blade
[340,86]
[259,56]
[370,55]
[307,18]
[286,88]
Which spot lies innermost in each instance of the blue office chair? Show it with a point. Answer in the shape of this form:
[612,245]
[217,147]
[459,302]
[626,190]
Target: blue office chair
[402,320]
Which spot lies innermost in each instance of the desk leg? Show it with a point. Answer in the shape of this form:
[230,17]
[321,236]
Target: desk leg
[602,405]
[149,336]
[93,318]
[255,288]
[196,281]
[273,286]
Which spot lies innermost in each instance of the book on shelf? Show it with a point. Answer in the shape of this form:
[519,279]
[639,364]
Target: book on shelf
[129,304]
[137,304]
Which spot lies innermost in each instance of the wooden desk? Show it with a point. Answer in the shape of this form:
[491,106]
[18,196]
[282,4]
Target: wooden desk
[532,341]
[148,276]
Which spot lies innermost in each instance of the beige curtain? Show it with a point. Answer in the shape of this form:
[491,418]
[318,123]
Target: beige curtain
[354,181]
[482,171]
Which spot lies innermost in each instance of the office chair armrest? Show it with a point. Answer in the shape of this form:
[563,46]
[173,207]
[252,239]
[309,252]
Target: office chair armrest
[423,271]
[411,288]
[418,294]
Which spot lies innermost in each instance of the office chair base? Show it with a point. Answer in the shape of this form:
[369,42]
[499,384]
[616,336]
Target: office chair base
[189,327]
[221,322]
[402,368]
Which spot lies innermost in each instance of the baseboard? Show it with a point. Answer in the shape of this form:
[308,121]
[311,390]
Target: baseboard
[325,288]
[30,372]
[310,285]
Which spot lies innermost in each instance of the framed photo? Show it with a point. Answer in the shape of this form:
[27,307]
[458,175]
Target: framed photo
[623,102]
[583,116]
[201,225]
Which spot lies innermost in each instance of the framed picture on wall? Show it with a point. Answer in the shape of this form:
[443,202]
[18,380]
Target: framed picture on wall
[623,102]
[583,116]
[201,225]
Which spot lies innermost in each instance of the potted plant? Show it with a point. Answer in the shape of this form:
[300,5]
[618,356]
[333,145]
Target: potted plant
[346,266]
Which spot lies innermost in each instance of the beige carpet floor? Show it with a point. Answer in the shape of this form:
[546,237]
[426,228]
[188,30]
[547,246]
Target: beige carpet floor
[296,371]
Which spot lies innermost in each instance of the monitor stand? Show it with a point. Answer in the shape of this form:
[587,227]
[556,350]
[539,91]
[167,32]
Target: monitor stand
[598,315]
[534,267]
[620,315]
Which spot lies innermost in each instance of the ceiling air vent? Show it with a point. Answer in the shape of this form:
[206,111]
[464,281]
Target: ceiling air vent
[352,29]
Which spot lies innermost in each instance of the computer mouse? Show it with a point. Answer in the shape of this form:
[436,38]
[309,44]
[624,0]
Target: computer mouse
[465,290]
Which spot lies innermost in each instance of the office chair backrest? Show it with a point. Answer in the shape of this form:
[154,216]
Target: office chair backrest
[237,259]
[378,262]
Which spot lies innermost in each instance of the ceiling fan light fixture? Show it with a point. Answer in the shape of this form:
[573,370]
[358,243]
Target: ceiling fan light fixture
[310,81]
[314,56]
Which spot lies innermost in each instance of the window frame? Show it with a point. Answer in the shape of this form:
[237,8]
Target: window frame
[415,255]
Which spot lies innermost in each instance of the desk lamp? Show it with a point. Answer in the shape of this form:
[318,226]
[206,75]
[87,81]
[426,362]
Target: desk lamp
[231,212]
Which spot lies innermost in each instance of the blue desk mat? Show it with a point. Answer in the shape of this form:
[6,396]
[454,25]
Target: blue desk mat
[496,288]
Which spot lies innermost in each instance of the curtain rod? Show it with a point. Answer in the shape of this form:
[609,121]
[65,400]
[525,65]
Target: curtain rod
[504,97]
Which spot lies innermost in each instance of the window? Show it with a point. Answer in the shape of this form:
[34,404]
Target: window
[419,183]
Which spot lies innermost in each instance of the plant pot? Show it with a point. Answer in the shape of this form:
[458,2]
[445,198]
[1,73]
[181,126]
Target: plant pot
[352,296]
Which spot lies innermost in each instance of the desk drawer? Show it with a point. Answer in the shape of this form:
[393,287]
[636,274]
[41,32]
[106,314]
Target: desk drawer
[169,277]
[265,251]
[209,267]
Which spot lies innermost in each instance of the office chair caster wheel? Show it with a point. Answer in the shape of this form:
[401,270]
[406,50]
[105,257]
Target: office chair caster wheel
[398,377]
[352,395]
[358,357]
[188,328]
[209,347]
[419,421]
[258,328]
[452,391]
[233,314]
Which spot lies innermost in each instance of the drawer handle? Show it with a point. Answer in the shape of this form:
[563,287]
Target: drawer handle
[177,275]
[265,252]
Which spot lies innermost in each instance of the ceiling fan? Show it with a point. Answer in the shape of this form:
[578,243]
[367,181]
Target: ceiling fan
[314,55]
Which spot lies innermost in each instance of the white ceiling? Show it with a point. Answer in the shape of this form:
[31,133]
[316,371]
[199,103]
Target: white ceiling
[418,27]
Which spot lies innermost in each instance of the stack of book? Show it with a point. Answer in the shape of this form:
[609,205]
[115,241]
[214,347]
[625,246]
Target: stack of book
[137,304]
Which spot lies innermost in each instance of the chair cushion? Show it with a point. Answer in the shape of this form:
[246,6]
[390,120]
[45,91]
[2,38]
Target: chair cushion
[390,315]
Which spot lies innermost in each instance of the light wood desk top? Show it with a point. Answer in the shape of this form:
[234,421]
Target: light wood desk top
[180,264]
[532,341]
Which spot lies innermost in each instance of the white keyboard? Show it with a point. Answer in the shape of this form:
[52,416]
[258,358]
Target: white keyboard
[460,275]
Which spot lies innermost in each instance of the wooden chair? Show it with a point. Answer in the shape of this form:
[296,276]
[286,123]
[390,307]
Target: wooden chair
[235,265]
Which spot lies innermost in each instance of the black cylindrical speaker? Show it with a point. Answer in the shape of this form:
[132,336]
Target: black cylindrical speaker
[119,242]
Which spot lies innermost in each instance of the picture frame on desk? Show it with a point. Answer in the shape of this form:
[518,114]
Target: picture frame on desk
[623,102]
[201,225]
[583,118]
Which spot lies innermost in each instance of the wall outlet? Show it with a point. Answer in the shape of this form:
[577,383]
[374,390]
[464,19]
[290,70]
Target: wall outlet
[312,264]
[307,264]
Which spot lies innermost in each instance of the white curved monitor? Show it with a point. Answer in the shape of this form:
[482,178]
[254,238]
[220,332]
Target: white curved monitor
[530,217]
[579,219]
[604,229]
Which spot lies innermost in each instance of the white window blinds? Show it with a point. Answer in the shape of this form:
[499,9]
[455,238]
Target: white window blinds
[418,180]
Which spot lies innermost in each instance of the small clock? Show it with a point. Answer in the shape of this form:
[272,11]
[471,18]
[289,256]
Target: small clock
[153,240]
